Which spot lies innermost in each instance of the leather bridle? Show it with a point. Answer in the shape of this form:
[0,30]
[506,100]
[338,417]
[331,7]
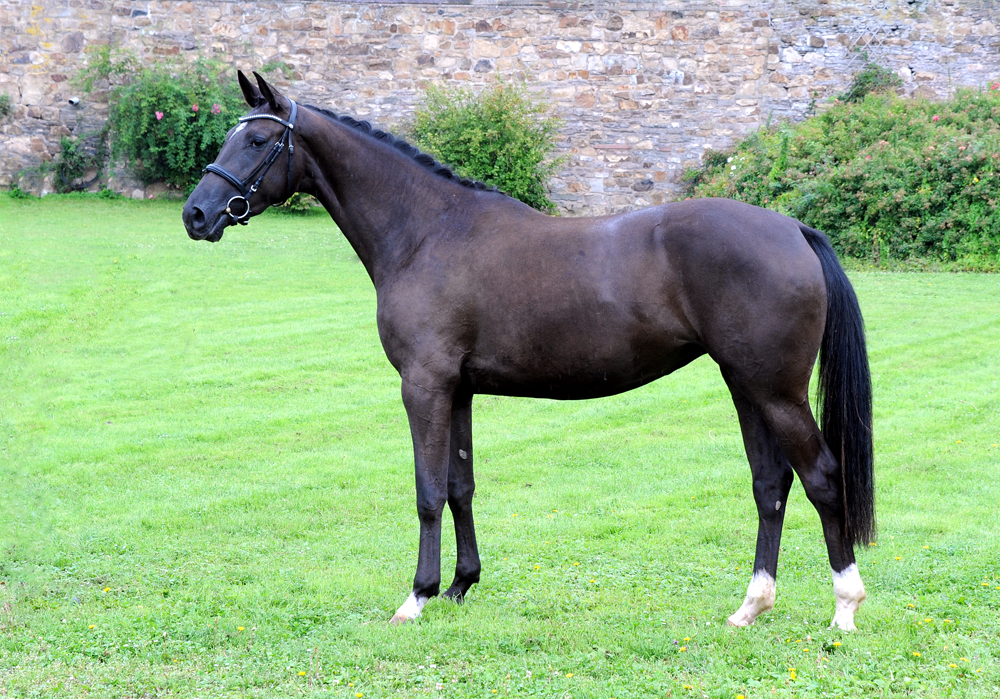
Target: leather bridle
[246,192]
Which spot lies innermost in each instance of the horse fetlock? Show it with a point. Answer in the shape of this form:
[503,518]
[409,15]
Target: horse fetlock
[850,593]
[760,598]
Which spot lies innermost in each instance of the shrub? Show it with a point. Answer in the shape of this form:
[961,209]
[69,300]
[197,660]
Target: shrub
[78,157]
[886,178]
[501,136]
[6,105]
[298,203]
[169,120]
[872,79]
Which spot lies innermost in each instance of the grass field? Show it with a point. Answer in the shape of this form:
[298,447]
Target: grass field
[206,490]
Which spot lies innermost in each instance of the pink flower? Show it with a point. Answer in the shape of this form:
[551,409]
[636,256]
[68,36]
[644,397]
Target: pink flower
[194,107]
[935,118]
[216,108]
[159,116]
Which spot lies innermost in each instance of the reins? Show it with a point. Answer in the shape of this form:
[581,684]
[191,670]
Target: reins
[246,192]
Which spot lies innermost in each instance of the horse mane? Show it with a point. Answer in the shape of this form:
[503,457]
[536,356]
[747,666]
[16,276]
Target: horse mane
[405,148]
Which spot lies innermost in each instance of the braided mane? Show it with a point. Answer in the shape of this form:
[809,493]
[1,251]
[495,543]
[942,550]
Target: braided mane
[405,148]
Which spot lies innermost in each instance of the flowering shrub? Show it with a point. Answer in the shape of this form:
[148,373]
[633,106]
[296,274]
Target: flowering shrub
[887,179]
[158,128]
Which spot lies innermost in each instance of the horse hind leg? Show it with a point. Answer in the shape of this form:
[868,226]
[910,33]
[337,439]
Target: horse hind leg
[772,479]
[820,473]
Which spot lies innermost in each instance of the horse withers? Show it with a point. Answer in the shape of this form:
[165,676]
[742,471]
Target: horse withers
[478,293]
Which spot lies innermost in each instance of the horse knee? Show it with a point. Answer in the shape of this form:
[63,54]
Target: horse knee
[429,507]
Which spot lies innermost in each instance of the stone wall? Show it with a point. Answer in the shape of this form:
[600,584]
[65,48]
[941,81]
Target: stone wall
[644,88]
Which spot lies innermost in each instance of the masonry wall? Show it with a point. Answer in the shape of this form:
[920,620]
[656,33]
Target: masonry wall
[644,88]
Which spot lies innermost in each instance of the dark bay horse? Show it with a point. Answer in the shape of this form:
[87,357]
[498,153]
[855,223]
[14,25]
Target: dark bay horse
[478,293]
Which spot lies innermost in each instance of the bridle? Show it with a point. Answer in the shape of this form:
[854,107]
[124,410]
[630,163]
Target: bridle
[241,185]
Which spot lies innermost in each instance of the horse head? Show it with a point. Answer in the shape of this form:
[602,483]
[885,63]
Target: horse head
[242,182]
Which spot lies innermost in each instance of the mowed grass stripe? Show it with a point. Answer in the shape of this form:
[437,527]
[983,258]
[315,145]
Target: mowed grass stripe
[212,434]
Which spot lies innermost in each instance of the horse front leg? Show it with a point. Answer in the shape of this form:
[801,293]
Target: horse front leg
[428,408]
[461,487]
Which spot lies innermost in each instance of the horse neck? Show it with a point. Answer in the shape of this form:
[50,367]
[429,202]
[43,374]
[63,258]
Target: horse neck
[384,202]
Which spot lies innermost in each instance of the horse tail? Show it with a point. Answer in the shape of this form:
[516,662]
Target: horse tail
[845,391]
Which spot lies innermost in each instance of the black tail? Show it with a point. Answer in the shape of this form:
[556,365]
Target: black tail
[845,389]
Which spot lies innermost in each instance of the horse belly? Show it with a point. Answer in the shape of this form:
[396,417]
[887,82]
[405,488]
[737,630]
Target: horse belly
[575,365]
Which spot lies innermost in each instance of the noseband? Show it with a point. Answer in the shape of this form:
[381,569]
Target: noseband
[241,185]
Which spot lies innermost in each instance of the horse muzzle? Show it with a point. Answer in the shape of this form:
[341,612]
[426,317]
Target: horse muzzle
[199,227]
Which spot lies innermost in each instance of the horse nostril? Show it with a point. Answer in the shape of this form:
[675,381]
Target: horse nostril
[198,218]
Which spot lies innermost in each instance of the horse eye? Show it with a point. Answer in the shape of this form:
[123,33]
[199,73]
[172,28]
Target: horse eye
[258,141]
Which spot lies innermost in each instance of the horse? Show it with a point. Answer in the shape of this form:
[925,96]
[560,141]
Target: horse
[480,294]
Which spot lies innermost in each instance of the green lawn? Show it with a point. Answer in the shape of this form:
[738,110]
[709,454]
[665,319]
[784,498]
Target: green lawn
[206,490]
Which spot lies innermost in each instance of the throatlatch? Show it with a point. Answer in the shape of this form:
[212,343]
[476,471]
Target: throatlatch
[246,192]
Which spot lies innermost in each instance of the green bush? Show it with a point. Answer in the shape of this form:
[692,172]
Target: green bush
[872,79]
[6,105]
[167,121]
[78,156]
[887,179]
[298,203]
[501,136]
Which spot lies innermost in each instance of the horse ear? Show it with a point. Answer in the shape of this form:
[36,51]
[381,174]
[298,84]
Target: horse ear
[250,92]
[271,94]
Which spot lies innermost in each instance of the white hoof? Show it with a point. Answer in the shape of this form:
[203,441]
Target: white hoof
[409,610]
[759,599]
[850,593]
[843,620]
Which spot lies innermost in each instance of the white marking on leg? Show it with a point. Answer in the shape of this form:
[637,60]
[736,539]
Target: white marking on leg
[777,505]
[461,453]
[850,593]
[759,599]
[410,609]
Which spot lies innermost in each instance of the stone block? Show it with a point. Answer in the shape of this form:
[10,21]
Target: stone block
[791,56]
[484,48]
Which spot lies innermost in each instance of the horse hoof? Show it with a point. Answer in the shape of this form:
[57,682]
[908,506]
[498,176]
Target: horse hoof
[740,620]
[843,620]
[454,596]
[410,610]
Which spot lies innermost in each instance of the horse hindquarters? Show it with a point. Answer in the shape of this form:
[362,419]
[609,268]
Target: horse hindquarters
[770,392]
